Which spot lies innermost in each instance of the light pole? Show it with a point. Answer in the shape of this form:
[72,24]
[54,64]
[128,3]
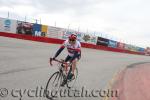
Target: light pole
[8,15]
[68,27]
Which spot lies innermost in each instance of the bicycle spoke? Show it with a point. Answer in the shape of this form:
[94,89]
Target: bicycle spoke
[55,78]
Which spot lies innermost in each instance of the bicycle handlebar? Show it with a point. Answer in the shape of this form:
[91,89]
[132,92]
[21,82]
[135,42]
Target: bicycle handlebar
[60,61]
[51,59]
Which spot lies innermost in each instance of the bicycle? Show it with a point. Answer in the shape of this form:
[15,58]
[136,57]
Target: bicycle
[61,76]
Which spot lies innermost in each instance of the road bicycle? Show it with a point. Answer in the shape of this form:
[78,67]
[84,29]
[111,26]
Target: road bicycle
[60,76]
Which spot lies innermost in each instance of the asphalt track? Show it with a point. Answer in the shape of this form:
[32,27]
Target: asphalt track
[24,67]
[132,83]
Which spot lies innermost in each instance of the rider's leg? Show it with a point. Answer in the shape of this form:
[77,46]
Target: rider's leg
[74,62]
[67,58]
[65,80]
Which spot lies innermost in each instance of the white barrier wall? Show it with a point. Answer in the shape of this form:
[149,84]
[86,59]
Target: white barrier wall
[7,25]
[34,29]
[11,26]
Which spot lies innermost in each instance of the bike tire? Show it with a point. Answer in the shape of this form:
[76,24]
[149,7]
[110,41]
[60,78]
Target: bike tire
[47,90]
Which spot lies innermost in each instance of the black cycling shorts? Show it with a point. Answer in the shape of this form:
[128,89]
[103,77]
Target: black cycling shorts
[68,58]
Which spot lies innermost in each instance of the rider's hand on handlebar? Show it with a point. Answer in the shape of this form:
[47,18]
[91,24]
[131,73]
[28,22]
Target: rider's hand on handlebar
[51,59]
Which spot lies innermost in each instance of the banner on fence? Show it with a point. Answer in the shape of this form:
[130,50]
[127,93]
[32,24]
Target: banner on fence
[120,45]
[102,41]
[141,49]
[37,30]
[67,33]
[112,44]
[44,29]
[7,25]
[86,38]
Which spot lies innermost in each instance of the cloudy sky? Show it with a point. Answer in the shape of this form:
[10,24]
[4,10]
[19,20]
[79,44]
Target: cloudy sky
[123,20]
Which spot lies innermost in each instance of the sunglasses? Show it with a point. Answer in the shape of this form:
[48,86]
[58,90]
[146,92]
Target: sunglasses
[71,40]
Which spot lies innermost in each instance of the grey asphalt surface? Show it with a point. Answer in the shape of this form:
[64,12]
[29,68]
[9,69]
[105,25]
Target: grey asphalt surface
[24,67]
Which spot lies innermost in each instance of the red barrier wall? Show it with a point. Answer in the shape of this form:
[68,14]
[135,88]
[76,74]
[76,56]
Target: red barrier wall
[59,41]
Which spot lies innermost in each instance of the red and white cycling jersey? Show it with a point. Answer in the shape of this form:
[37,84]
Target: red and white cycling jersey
[72,48]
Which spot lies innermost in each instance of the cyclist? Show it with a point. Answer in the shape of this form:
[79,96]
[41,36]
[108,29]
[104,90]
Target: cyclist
[74,52]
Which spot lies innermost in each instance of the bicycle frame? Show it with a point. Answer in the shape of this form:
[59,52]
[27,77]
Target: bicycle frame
[61,62]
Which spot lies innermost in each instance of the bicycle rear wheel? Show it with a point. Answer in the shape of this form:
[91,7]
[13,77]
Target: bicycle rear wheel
[53,85]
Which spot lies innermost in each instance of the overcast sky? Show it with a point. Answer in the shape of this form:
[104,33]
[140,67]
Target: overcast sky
[123,20]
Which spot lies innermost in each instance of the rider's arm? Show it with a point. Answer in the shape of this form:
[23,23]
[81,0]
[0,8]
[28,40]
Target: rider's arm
[59,51]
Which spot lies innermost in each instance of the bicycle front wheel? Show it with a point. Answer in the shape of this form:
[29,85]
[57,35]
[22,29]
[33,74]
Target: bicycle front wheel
[53,85]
